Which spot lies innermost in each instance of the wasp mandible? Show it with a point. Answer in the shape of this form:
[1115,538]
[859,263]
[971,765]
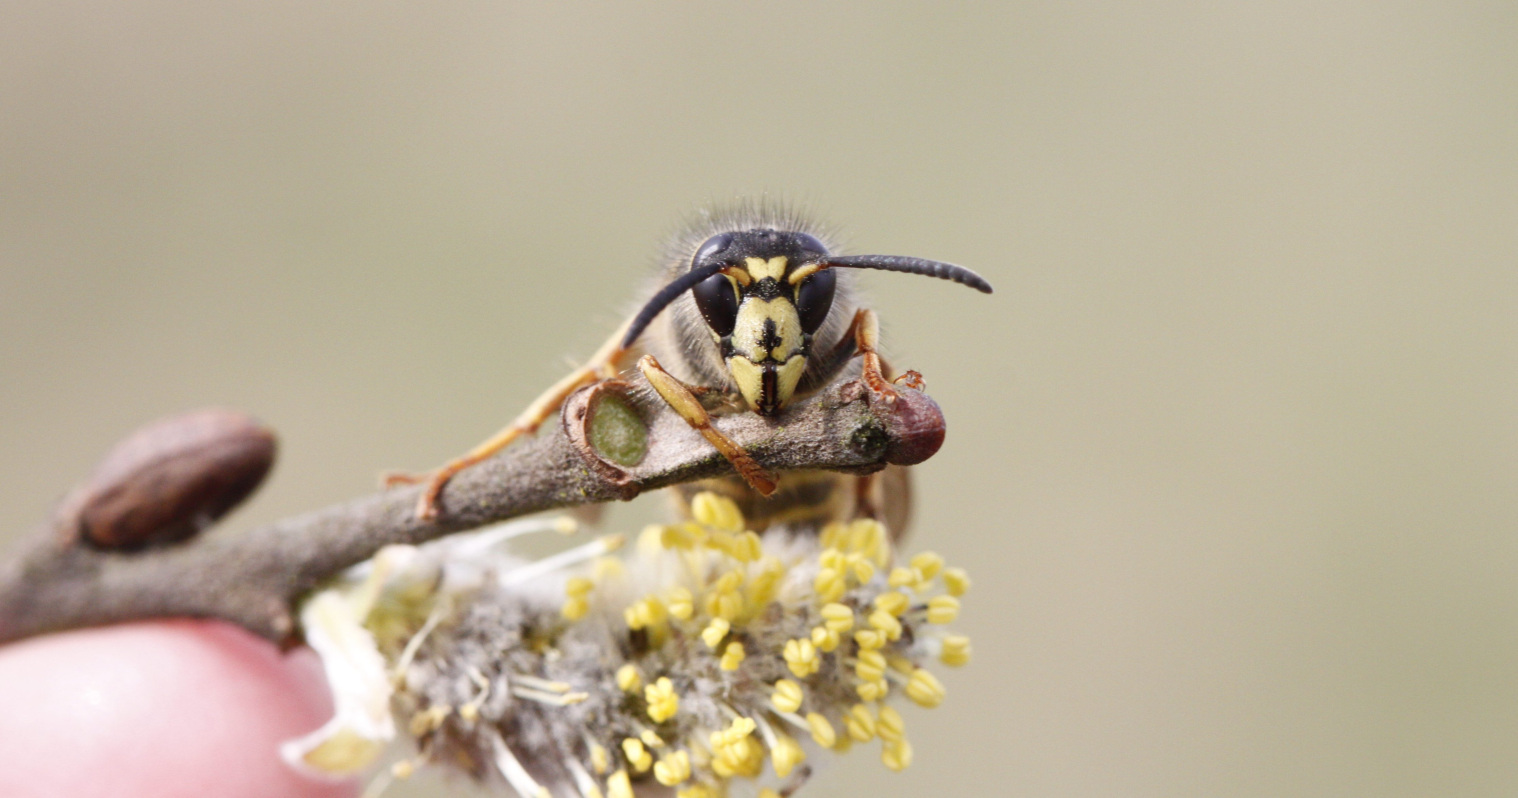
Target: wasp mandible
[760,312]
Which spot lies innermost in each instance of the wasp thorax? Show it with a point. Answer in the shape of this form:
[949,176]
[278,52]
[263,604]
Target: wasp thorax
[763,304]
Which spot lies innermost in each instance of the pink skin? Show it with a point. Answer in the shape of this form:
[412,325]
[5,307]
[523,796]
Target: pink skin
[162,709]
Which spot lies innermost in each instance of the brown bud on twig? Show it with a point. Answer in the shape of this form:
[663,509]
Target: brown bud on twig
[169,480]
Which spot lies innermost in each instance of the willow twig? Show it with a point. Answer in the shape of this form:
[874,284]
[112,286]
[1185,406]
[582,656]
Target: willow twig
[255,579]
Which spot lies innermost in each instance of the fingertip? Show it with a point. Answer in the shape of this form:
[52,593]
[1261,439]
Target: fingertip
[161,708]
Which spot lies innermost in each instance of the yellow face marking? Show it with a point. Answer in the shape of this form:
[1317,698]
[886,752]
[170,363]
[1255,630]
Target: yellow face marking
[749,378]
[759,268]
[748,331]
[789,374]
[738,275]
[803,273]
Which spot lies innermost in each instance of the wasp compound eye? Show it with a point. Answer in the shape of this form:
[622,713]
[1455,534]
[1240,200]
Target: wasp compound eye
[814,298]
[717,300]
[809,245]
[713,247]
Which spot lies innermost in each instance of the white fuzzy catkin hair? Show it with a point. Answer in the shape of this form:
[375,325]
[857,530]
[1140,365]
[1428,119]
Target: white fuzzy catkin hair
[698,660]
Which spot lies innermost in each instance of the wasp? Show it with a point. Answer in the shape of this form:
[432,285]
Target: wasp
[752,310]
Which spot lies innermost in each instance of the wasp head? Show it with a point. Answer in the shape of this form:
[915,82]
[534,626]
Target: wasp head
[763,305]
[763,294]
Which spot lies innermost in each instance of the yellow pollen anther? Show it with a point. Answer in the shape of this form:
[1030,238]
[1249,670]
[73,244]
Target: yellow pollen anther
[743,547]
[650,739]
[599,759]
[768,793]
[826,640]
[662,701]
[403,769]
[748,547]
[860,723]
[893,602]
[863,569]
[702,791]
[765,585]
[897,756]
[831,558]
[903,577]
[741,727]
[873,691]
[574,608]
[956,581]
[644,613]
[886,623]
[728,606]
[943,609]
[829,584]
[870,638]
[735,752]
[785,755]
[871,666]
[822,731]
[787,696]
[637,756]
[724,601]
[868,537]
[628,678]
[928,564]
[838,617]
[714,632]
[673,769]
[619,785]
[681,605]
[680,536]
[576,604]
[732,656]
[716,511]
[956,650]
[925,689]
[801,657]
[890,725]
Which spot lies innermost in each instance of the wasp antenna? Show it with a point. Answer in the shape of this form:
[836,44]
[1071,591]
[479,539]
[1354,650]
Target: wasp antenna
[666,295]
[898,263]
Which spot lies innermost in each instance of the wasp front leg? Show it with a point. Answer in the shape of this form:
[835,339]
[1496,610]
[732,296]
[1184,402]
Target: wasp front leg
[682,399]
[603,365]
[864,331]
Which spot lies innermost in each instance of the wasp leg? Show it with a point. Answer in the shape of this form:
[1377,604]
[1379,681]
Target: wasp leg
[679,397]
[865,330]
[910,379]
[866,498]
[885,496]
[603,365]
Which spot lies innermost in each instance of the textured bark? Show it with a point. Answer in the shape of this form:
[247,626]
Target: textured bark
[255,579]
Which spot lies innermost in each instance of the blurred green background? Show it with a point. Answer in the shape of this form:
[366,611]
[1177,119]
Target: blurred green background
[1232,452]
